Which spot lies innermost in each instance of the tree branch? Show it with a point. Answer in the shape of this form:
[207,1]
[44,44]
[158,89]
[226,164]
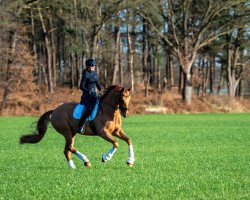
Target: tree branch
[172,21]
[143,15]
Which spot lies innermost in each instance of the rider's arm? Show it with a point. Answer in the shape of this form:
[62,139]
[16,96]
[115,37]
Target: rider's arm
[98,85]
[83,81]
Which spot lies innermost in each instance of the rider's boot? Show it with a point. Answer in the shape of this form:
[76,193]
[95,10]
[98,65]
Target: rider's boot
[81,124]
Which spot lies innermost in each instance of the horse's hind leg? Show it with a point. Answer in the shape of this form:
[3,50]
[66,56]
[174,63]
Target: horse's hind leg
[131,158]
[68,152]
[69,149]
[81,156]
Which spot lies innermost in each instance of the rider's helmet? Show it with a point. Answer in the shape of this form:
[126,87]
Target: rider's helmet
[90,62]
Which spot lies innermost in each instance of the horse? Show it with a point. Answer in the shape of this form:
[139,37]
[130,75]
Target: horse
[107,123]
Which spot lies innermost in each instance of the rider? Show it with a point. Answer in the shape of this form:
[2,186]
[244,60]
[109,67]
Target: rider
[89,97]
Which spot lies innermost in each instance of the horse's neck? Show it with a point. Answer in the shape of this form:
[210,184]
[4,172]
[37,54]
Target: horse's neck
[110,102]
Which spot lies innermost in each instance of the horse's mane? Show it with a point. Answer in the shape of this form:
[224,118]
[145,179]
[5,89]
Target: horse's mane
[108,90]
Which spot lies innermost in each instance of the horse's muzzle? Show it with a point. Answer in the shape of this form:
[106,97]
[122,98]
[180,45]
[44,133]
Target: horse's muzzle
[125,114]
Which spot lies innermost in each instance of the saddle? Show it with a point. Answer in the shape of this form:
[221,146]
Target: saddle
[80,109]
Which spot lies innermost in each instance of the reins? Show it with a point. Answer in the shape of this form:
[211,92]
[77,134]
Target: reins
[115,107]
[121,107]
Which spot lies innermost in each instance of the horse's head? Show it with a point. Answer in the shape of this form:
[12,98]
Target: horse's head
[124,101]
[117,97]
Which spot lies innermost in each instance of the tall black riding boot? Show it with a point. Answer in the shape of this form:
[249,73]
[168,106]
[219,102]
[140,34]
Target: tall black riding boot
[81,124]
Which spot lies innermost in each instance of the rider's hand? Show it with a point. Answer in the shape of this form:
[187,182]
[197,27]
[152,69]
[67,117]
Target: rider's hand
[92,93]
[100,93]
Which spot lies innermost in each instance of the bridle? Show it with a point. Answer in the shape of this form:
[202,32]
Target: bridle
[115,107]
[120,106]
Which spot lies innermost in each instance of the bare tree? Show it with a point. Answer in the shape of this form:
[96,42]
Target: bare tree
[192,25]
[48,50]
[130,56]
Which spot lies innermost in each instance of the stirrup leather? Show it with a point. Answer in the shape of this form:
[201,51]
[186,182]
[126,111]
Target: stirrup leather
[81,129]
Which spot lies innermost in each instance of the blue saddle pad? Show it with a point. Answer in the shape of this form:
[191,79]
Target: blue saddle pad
[80,109]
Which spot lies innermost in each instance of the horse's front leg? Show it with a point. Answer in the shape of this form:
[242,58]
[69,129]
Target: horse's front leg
[108,137]
[131,157]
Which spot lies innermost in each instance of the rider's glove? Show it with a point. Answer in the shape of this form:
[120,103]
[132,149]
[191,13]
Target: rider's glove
[92,93]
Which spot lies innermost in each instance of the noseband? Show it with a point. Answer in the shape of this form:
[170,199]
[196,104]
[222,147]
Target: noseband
[122,107]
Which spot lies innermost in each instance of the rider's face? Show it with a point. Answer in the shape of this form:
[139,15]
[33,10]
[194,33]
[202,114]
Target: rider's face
[91,68]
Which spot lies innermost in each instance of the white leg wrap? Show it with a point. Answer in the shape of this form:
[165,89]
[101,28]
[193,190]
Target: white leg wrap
[71,164]
[131,156]
[81,156]
[109,155]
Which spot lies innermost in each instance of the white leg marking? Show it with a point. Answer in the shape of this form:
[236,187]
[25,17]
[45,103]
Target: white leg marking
[81,156]
[71,164]
[131,156]
[109,155]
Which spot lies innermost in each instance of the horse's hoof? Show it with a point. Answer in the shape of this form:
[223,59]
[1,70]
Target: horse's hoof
[104,158]
[129,164]
[87,164]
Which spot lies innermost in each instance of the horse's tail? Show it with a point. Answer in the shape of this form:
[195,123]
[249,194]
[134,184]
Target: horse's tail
[41,128]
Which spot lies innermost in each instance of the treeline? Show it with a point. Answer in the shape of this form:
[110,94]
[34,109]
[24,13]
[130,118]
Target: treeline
[164,43]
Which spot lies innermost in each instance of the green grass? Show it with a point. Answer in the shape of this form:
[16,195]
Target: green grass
[205,156]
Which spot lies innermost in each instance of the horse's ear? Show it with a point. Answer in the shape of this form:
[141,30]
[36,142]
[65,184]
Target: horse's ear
[122,90]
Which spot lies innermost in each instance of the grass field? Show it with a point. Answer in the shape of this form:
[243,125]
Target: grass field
[203,156]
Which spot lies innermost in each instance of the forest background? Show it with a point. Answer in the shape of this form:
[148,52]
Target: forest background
[182,56]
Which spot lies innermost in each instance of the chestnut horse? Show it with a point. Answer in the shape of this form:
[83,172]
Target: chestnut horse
[107,124]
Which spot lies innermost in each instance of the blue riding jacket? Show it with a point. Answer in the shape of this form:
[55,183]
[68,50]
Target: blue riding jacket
[88,84]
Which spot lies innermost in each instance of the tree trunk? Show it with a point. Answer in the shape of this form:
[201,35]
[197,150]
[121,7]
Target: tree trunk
[121,76]
[233,81]
[234,71]
[150,62]
[181,81]
[53,51]
[205,76]
[12,49]
[144,50]
[43,70]
[130,61]
[78,70]
[164,86]
[117,35]
[5,97]
[63,59]
[186,61]
[157,68]
[147,82]
[187,90]
[171,70]
[240,89]
[95,33]
[221,80]
[211,75]
[49,52]
[187,93]
[72,74]
[37,69]
[130,57]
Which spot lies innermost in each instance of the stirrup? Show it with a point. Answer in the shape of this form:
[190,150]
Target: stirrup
[81,129]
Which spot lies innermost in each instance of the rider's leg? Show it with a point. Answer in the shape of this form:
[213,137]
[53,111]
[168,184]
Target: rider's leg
[89,103]
[81,124]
